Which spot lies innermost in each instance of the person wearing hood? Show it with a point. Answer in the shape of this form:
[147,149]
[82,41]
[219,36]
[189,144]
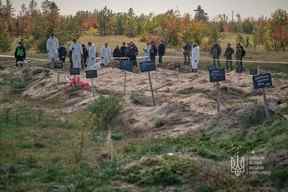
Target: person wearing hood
[91,64]
[20,54]
[195,57]
[147,52]
[106,54]
[76,51]
[52,46]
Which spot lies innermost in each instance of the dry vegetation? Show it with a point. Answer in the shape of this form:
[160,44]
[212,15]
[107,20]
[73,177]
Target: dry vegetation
[51,142]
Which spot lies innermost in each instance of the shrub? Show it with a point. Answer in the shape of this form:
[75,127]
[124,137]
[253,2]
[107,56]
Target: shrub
[163,170]
[41,45]
[255,116]
[5,42]
[105,111]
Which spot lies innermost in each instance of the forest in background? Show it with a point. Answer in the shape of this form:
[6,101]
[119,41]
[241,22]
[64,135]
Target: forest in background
[35,21]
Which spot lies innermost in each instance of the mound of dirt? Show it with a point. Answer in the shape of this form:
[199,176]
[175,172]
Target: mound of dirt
[185,101]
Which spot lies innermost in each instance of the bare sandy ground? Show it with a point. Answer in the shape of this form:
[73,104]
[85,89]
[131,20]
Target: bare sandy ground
[185,101]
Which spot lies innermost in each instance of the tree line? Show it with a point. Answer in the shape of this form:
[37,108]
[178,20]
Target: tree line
[34,22]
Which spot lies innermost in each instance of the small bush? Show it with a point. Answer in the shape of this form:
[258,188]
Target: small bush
[5,42]
[255,116]
[161,171]
[105,111]
[279,178]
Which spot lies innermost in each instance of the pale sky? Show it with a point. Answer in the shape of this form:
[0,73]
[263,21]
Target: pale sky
[247,8]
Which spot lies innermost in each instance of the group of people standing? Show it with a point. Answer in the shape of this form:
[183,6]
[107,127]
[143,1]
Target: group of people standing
[216,52]
[82,56]
[191,52]
[151,51]
[85,56]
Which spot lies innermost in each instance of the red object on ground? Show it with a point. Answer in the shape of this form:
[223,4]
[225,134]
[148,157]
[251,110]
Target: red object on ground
[78,82]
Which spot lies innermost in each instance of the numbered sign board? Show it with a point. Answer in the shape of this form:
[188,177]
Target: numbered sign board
[217,75]
[126,65]
[147,66]
[262,81]
[75,71]
[91,74]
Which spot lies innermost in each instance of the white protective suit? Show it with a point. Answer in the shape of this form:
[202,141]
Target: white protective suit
[147,53]
[92,62]
[52,46]
[76,49]
[195,57]
[106,55]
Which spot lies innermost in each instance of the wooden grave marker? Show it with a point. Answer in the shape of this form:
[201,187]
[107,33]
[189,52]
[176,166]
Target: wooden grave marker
[216,75]
[263,81]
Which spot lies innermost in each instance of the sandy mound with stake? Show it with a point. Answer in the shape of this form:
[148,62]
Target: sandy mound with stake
[185,101]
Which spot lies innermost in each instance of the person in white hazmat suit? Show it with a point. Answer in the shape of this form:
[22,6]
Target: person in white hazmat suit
[92,62]
[147,52]
[76,49]
[195,58]
[106,54]
[52,46]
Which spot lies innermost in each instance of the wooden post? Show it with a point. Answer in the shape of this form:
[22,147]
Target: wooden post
[93,87]
[267,113]
[58,77]
[125,79]
[218,97]
[151,87]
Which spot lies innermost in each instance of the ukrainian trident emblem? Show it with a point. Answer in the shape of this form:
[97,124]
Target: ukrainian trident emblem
[238,165]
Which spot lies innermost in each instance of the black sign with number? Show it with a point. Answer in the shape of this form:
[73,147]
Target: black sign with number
[262,81]
[217,75]
[91,74]
[126,65]
[75,71]
[147,66]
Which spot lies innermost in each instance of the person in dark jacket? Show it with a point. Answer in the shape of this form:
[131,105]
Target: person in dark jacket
[215,52]
[124,50]
[62,53]
[84,56]
[117,52]
[70,59]
[240,54]
[161,51]
[132,53]
[229,52]
[187,53]
[153,52]
[20,54]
